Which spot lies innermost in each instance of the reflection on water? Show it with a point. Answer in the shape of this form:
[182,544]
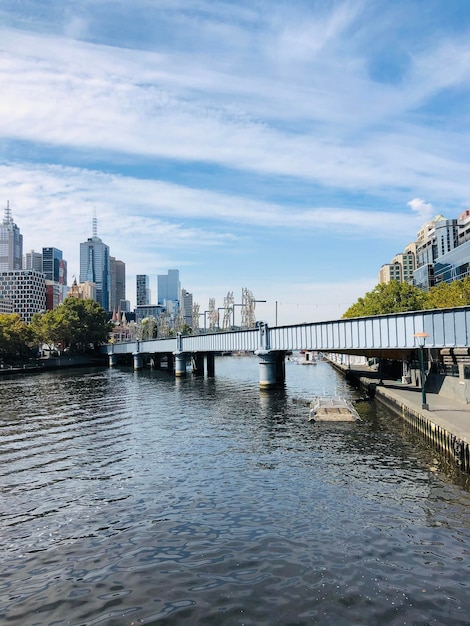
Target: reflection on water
[135,498]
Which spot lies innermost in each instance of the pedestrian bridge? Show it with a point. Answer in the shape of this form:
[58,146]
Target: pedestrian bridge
[383,336]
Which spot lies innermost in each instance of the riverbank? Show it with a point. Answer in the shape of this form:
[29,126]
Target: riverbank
[54,363]
[445,423]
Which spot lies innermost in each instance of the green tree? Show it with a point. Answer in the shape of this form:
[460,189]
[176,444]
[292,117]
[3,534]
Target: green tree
[448,295]
[15,337]
[394,297]
[75,323]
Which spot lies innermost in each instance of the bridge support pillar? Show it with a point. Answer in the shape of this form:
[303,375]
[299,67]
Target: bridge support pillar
[210,362]
[138,360]
[170,362]
[198,364]
[271,368]
[180,364]
[156,361]
[112,360]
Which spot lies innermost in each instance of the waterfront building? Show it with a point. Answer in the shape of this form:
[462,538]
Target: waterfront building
[142,290]
[26,290]
[401,267]
[11,244]
[117,271]
[169,289]
[32,261]
[441,251]
[94,266]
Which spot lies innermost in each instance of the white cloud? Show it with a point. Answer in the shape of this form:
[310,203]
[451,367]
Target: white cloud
[423,209]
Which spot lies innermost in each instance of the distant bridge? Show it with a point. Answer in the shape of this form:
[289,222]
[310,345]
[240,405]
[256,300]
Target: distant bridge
[383,336]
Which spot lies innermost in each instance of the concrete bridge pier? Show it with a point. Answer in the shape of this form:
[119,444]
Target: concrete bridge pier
[210,364]
[197,361]
[112,360]
[156,361]
[180,364]
[138,360]
[272,370]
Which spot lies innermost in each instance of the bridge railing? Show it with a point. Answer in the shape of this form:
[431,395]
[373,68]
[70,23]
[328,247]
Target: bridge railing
[444,327]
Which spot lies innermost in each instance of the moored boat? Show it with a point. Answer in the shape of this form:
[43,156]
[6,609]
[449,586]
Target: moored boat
[332,409]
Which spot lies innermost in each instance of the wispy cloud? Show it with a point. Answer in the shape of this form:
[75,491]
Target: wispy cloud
[233,127]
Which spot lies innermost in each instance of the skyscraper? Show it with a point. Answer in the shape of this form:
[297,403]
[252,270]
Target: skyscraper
[51,258]
[11,244]
[117,270]
[169,288]
[187,306]
[142,290]
[32,261]
[94,266]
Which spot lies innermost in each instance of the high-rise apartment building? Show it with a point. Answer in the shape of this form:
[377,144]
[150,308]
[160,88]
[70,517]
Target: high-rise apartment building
[142,290]
[117,271]
[11,244]
[169,289]
[401,267]
[94,266]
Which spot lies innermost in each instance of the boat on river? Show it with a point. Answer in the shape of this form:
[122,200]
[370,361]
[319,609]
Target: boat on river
[332,409]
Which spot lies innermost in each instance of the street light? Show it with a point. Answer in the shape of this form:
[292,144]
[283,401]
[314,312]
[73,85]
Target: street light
[242,305]
[421,338]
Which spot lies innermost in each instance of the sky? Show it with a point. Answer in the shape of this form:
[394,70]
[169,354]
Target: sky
[287,147]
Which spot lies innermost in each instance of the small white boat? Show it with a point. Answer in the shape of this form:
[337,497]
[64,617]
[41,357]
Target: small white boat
[332,409]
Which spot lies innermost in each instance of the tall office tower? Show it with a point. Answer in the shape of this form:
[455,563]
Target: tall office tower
[11,244]
[51,258]
[142,290]
[169,289]
[117,270]
[187,306]
[32,261]
[94,266]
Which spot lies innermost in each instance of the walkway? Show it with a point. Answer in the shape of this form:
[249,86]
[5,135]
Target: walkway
[449,414]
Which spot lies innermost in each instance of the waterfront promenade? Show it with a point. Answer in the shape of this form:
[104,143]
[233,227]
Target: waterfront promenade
[446,421]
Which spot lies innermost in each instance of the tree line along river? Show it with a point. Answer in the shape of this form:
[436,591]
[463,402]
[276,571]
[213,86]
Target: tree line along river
[137,498]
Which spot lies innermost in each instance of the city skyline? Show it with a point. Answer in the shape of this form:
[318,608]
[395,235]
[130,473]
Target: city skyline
[292,150]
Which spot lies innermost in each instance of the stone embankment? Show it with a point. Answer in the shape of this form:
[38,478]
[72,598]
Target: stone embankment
[445,423]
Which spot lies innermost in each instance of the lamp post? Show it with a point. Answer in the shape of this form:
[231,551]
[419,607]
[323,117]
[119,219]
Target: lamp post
[242,305]
[421,338]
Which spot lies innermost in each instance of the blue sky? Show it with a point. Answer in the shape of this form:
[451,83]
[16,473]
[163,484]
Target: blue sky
[288,147]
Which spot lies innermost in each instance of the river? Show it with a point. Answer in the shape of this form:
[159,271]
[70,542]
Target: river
[134,498]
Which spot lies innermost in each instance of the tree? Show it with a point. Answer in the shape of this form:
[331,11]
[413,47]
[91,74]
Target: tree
[394,297]
[75,323]
[448,295]
[15,337]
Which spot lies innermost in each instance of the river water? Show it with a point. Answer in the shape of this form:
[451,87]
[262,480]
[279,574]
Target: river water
[134,498]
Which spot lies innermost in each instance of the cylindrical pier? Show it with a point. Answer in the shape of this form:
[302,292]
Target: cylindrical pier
[180,364]
[112,360]
[138,360]
[271,368]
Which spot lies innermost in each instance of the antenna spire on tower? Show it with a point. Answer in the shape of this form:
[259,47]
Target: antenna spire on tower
[8,219]
[95,224]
